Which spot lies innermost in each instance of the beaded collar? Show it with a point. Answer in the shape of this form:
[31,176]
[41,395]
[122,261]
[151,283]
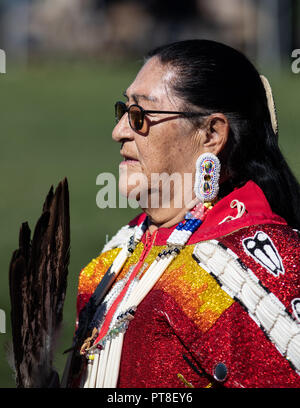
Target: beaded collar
[106,341]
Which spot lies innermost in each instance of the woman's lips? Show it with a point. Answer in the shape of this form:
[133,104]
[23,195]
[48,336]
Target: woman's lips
[127,162]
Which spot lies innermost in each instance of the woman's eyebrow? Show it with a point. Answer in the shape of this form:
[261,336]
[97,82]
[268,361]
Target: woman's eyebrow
[137,97]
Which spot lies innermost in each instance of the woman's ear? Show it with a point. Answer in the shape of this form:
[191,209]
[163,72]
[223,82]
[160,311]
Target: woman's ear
[216,133]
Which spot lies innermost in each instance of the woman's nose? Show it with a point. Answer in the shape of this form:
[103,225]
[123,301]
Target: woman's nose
[122,130]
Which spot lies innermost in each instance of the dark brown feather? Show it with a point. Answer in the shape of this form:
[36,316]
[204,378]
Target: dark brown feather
[38,282]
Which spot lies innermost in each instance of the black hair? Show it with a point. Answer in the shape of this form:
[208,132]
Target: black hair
[217,78]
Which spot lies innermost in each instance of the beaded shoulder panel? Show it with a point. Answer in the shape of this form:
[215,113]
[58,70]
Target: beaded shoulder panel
[259,267]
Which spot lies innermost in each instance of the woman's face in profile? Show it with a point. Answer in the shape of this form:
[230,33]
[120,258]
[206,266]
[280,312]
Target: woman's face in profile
[167,143]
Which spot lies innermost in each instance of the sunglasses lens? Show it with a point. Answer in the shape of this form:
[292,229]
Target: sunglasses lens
[120,109]
[136,118]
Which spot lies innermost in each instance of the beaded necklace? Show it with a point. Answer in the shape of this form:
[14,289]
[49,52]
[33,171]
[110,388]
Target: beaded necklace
[104,354]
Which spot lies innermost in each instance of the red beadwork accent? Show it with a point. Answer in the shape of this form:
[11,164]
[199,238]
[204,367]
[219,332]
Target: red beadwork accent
[251,359]
[153,352]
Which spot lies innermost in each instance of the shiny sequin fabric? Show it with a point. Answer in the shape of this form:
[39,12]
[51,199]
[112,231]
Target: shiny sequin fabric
[188,327]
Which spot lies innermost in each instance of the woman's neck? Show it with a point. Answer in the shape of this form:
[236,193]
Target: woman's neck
[166,217]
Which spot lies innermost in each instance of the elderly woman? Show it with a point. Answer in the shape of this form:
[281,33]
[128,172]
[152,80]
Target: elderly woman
[204,294]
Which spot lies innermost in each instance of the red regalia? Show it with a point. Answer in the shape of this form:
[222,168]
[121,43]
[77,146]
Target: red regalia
[226,312]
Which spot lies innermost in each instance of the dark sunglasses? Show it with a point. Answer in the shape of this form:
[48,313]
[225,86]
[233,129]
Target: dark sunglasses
[136,114]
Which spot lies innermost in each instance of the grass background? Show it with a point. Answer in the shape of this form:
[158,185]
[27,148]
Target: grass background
[56,121]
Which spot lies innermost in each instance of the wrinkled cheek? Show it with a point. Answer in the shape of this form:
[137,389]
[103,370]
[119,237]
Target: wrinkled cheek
[157,163]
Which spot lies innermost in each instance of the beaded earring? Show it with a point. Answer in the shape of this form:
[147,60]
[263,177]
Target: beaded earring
[206,185]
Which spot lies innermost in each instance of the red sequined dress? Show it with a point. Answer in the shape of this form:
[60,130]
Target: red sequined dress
[226,312]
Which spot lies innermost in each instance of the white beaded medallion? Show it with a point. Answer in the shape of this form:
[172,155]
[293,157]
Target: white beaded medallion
[207,177]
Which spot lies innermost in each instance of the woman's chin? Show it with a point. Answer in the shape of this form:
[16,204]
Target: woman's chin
[123,188]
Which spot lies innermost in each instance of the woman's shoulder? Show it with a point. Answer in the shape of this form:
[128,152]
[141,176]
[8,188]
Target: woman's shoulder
[270,251]
[259,266]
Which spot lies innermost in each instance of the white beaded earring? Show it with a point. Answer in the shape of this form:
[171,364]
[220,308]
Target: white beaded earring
[206,185]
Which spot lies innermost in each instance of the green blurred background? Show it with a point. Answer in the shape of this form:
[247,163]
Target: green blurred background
[56,121]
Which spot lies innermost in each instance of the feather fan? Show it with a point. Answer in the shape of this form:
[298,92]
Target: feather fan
[38,281]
